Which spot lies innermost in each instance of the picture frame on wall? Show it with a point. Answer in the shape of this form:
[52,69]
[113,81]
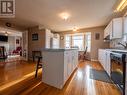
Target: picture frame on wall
[97,36]
[35,37]
[61,37]
[17,41]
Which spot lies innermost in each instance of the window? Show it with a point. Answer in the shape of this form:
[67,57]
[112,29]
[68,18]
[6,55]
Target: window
[88,41]
[67,41]
[78,41]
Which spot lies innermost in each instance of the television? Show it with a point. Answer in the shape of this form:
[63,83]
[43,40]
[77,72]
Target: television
[3,38]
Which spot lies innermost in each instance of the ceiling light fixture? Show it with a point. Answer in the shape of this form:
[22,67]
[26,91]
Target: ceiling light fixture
[6,33]
[75,29]
[64,15]
[121,6]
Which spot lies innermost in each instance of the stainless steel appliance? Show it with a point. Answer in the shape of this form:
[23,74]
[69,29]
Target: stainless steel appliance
[118,69]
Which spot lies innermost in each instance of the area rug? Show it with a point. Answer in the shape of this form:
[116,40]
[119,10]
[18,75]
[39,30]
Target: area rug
[100,75]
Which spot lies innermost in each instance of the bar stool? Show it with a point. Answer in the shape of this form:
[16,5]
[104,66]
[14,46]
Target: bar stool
[35,53]
[38,65]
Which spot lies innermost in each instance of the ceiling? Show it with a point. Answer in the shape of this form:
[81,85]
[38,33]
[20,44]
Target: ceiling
[10,32]
[83,13]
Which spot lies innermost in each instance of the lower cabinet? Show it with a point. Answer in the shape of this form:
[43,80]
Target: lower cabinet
[104,59]
[59,68]
[70,63]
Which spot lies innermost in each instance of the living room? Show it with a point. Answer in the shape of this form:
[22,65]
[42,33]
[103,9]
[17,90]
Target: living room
[11,43]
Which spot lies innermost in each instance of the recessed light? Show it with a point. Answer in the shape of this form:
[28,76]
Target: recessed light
[64,15]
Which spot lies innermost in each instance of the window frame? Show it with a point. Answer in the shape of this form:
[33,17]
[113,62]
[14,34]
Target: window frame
[84,42]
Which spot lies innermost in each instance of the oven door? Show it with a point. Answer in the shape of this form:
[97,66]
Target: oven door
[117,68]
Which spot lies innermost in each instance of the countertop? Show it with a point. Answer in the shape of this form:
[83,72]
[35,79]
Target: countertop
[119,50]
[56,49]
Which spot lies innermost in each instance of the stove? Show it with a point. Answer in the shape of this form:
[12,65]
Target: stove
[118,69]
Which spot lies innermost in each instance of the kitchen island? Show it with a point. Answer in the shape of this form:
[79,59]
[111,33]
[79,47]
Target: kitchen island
[58,65]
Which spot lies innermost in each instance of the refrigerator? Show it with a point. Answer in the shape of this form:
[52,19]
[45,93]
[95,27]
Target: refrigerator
[54,43]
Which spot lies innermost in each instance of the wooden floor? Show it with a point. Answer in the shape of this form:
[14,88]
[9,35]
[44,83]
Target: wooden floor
[13,68]
[79,84]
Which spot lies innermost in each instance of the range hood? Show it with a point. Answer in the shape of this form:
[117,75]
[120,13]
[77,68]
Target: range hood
[107,38]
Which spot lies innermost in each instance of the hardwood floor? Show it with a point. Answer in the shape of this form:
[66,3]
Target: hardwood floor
[13,69]
[79,84]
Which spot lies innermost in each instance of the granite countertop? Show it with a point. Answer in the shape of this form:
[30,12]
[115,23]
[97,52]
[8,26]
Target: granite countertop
[55,49]
[118,50]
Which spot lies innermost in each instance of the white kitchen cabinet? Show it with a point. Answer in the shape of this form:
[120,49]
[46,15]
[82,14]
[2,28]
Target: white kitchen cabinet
[114,29]
[59,68]
[71,62]
[54,43]
[117,28]
[108,62]
[48,36]
[125,24]
[104,59]
[108,30]
[126,80]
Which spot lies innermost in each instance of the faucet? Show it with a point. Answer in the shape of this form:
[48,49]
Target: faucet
[124,45]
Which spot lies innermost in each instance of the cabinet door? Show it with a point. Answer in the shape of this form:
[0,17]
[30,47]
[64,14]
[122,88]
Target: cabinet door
[69,63]
[125,25]
[105,32]
[99,55]
[117,28]
[102,58]
[108,30]
[108,63]
[75,59]
[65,66]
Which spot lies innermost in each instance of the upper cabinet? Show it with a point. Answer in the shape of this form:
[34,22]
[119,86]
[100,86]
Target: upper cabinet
[108,30]
[117,28]
[125,24]
[114,29]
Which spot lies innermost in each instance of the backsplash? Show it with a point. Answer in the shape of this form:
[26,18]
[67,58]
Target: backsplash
[114,42]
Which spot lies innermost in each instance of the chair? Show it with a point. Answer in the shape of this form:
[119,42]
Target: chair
[18,50]
[38,65]
[35,54]
[83,56]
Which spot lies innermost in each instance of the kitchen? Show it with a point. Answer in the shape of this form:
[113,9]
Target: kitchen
[113,35]
[114,60]
[70,47]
